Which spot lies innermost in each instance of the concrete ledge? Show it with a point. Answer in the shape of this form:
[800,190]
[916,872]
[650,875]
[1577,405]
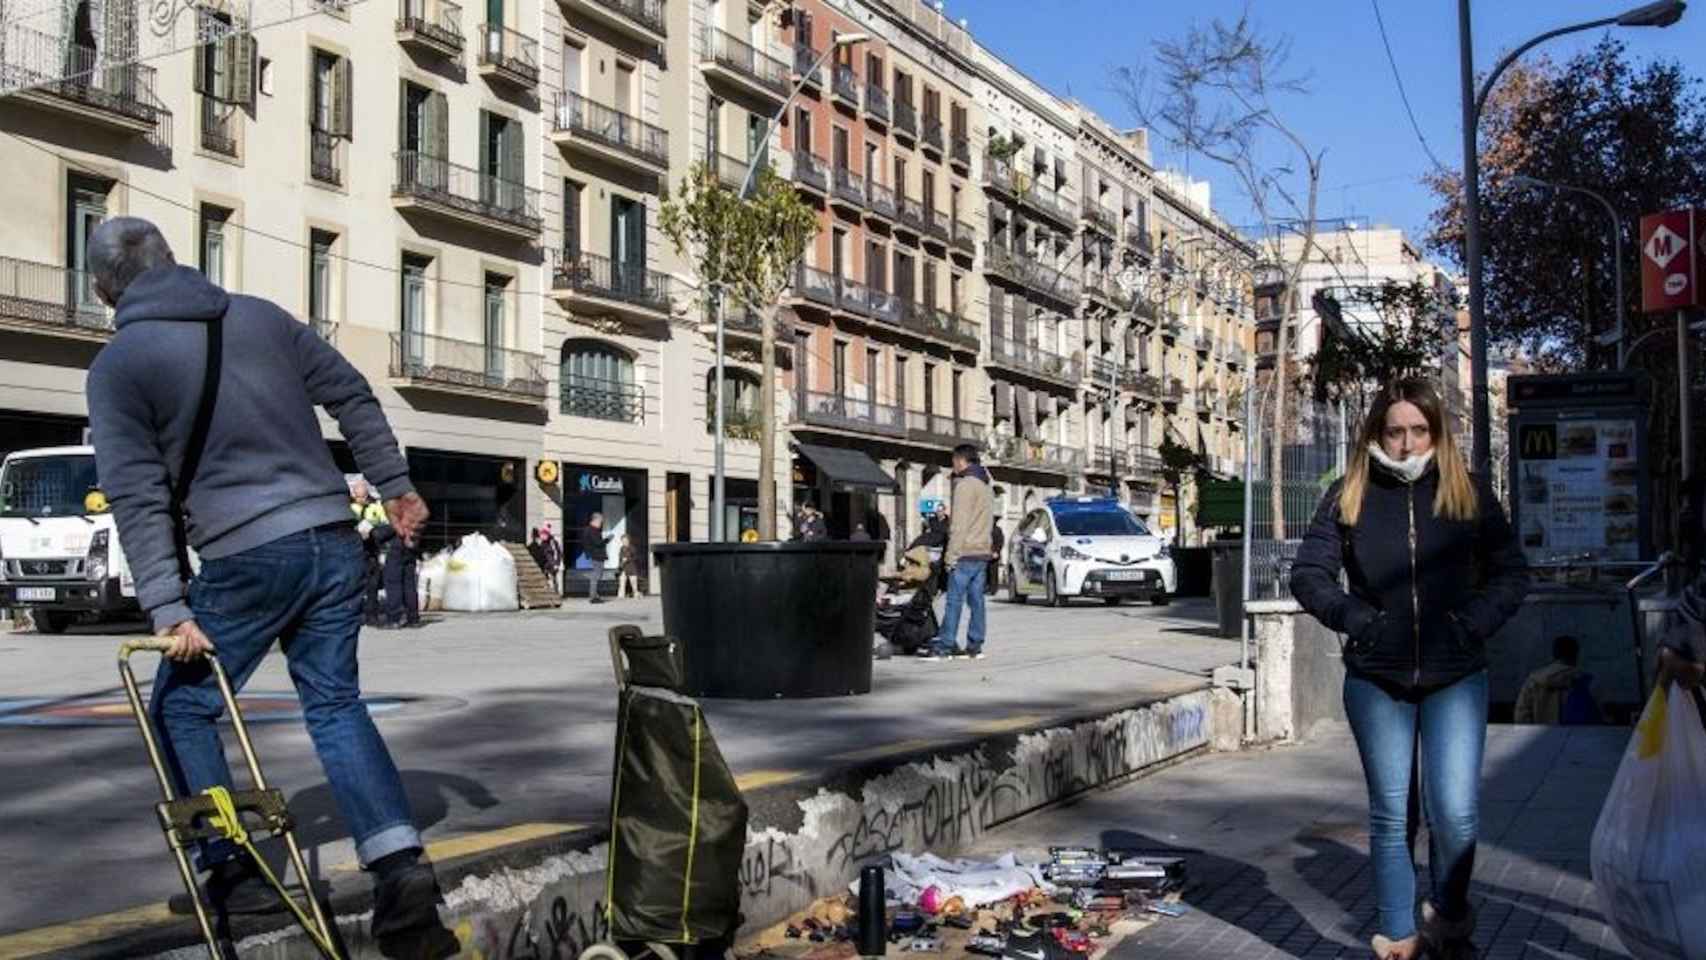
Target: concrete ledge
[542,897]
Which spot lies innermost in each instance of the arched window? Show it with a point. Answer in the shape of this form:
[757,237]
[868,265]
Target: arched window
[740,402]
[597,381]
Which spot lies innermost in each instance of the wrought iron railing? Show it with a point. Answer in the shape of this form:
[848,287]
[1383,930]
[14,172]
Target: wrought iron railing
[1035,454]
[1030,358]
[816,285]
[510,51]
[845,85]
[940,428]
[461,363]
[932,136]
[811,170]
[1145,462]
[581,117]
[598,276]
[730,51]
[1107,462]
[646,13]
[41,294]
[912,214]
[805,63]
[326,157]
[439,181]
[885,306]
[905,118]
[218,127]
[126,89]
[1137,238]
[935,322]
[854,296]
[598,399]
[1043,279]
[965,237]
[850,413]
[438,21]
[849,186]
[879,199]
[1099,217]
[876,102]
[1103,371]
[729,171]
[960,149]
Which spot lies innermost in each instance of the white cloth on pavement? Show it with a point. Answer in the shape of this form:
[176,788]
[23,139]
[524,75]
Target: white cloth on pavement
[978,883]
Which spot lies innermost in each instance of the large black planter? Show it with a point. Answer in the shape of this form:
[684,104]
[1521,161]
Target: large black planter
[758,621]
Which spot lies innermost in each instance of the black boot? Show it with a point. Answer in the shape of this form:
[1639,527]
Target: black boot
[236,887]
[405,900]
[1445,939]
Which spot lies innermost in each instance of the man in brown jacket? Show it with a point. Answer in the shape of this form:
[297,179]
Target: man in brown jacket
[971,521]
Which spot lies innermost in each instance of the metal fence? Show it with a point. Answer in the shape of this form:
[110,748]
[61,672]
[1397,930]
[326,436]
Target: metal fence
[1314,454]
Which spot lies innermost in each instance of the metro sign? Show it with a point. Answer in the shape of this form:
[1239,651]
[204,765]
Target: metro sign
[1671,251]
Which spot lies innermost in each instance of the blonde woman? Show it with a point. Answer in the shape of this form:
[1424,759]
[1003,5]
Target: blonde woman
[628,572]
[1434,571]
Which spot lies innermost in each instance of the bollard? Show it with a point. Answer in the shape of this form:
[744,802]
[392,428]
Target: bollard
[873,925]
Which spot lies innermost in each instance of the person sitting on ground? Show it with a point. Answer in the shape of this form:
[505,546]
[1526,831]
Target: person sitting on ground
[1560,692]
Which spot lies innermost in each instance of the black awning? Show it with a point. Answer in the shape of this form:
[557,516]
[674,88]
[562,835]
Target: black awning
[848,468]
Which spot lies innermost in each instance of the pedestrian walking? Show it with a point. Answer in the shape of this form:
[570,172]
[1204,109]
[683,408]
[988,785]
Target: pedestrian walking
[402,578]
[967,555]
[370,518]
[1434,571]
[628,569]
[551,557]
[595,547]
[206,437]
[992,575]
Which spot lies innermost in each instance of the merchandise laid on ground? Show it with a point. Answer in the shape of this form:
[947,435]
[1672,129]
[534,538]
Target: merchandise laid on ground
[1080,902]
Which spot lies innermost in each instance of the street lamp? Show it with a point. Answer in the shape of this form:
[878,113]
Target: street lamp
[1538,185]
[717,498]
[1659,14]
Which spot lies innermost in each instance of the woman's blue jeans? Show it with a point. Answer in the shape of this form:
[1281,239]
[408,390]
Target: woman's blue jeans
[1448,726]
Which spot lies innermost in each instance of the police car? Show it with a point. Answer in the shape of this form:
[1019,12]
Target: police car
[1087,547]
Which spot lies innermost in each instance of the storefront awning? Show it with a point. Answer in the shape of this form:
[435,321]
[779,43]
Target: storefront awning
[848,468]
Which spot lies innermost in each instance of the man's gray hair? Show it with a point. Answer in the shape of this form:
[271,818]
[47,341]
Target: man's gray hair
[123,249]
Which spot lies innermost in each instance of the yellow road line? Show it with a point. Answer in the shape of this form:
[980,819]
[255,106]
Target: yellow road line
[48,941]
[1010,724]
[755,779]
[887,750]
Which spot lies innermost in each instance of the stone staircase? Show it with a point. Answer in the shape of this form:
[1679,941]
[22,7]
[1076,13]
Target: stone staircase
[532,588]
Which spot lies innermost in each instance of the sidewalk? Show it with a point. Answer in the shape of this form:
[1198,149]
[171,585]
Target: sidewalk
[1277,848]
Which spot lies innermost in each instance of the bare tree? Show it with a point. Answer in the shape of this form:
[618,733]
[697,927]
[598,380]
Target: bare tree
[1211,93]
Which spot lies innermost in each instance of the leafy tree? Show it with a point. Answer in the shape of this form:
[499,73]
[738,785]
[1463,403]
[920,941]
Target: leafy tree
[744,253]
[1410,330]
[1212,93]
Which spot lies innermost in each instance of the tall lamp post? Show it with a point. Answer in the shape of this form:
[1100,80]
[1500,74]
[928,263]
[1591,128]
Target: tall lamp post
[1533,183]
[718,476]
[1659,14]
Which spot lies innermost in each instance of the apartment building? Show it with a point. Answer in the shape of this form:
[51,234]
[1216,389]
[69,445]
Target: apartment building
[399,216]
[885,328]
[1032,271]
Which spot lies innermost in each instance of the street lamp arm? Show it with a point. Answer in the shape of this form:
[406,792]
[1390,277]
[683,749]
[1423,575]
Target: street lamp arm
[775,121]
[1643,338]
[1511,57]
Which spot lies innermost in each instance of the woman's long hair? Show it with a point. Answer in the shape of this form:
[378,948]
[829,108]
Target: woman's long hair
[1456,498]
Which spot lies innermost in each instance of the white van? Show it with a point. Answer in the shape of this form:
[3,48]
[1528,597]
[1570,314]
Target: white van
[59,552]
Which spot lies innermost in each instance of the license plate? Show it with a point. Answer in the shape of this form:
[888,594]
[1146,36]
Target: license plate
[1128,575]
[37,593]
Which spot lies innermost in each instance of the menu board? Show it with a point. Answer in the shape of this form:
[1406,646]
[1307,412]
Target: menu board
[1578,486]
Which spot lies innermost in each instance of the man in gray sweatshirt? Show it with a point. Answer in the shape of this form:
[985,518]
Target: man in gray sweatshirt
[267,512]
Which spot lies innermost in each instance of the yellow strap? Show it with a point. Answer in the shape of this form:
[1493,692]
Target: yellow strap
[692,829]
[229,823]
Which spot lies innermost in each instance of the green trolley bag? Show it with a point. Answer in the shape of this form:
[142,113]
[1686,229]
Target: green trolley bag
[677,820]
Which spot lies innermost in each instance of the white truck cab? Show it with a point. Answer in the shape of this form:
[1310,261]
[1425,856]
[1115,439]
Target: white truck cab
[60,556]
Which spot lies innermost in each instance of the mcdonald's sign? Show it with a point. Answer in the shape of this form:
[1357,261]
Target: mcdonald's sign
[1539,441]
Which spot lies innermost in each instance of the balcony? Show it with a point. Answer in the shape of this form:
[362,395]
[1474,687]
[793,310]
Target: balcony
[589,283]
[744,323]
[1038,455]
[51,301]
[911,217]
[805,64]
[933,139]
[837,412]
[453,192]
[642,20]
[1235,357]
[118,98]
[844,86]
[1202,342]
[737,64]
[1031,360]
[729,171]
[965,238]
[905,119]
[1147,386]
[1206,399]
[508,57]
[431,26]
[1171,329]
[598,131]
[1103,372]
[1144,309]
[938,225]
[876,103]
[811,171]
[1038,278]
[959,151]
[1001,262]
[1099,288]
[1099,219]
[1137,241]
[886,308]
[219,125]
[1174,392]
[849,189]
[1145,462]
[853,297]
[1107,462]
[597,399]
[999,178]
[814,286]
[326,157]
[879,201]
[464,367]
[1050,206]
[938,324]
[941,430]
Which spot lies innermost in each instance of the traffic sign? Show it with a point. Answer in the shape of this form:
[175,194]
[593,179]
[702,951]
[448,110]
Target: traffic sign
[1671,250]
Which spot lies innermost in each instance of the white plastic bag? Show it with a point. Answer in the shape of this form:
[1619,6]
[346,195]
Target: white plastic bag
[1649,847]
[480,577]
[432,572]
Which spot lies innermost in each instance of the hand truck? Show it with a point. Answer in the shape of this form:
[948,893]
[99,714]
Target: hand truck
[217,813]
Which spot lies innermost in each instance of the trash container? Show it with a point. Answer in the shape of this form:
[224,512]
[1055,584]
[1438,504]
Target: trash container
[1229,588]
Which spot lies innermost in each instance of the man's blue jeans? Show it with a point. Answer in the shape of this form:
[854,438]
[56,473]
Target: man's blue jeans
[965,588]
[305,591]
[1449,727]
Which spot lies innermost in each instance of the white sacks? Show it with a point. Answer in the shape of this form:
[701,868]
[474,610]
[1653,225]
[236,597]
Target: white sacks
[430,580]
[480,577]
[1649,848]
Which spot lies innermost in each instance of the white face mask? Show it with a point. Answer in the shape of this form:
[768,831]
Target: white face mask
[1408,470]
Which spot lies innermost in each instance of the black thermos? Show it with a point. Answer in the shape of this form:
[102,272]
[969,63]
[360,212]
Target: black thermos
[873,919]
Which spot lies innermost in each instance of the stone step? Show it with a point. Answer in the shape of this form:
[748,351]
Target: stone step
[533,589]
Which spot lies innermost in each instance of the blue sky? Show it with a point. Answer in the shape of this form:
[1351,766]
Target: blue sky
[1373,158]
